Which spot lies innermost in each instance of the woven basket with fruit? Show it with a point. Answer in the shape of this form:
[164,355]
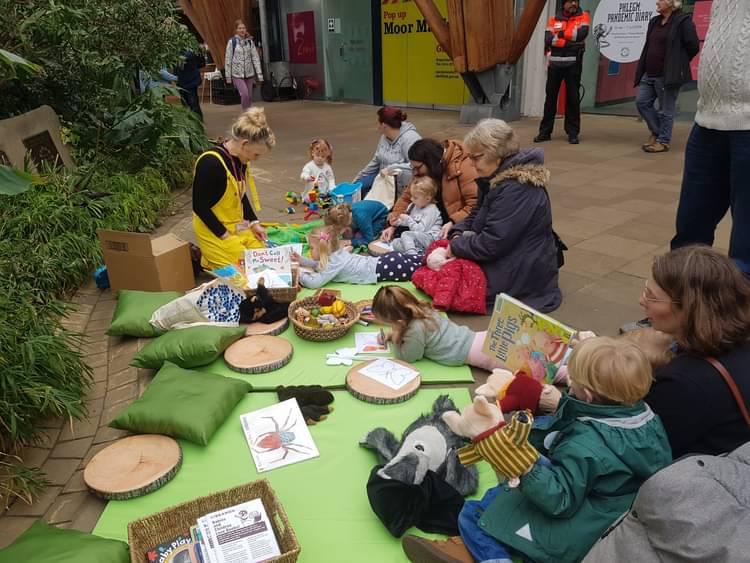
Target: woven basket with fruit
[322,317]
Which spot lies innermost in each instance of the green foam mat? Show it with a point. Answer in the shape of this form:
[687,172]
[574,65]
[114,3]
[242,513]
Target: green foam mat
[308,363]
[325,498]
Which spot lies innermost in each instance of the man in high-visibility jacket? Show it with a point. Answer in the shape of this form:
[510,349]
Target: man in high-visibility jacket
[564,41]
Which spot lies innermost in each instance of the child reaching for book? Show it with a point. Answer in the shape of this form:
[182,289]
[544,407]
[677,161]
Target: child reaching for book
[362,222]
[331,261]
[418,331]
[318,171]
[423,220]
[601,445]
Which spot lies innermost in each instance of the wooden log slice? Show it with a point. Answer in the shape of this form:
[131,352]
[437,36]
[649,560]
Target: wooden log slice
[258,354]
[133,467]
[270,329]
[370,391]
[376,250]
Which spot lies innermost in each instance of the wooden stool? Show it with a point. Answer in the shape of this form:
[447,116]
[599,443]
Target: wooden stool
[370,391]
[270,329]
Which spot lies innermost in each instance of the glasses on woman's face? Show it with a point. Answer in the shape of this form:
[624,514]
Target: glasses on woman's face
[476,157]
[648,296]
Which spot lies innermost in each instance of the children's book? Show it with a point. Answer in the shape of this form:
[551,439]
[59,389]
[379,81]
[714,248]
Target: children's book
[274,265]
[525,339]
[278,436]
[382,245]
[370,343]
[164,551]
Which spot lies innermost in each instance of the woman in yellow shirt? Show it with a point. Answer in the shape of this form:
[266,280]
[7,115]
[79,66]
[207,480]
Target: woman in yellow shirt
[224,221]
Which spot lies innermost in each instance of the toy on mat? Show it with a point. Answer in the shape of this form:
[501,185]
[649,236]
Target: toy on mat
[292,198]
[311,209]
[314,401]
[290,210]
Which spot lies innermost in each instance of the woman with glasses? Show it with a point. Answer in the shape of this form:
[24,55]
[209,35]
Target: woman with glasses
[448,164]
[702,300]
[509,232]
[224,221]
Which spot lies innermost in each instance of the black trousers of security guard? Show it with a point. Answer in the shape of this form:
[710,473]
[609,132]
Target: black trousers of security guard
[555,76]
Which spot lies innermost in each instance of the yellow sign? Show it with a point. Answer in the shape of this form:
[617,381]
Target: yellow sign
[416,71]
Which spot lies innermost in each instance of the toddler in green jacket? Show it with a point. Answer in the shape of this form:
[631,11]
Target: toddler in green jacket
[418,331]
[599,447]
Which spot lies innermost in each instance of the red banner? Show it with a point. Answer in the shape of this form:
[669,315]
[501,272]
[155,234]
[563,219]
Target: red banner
[301,32]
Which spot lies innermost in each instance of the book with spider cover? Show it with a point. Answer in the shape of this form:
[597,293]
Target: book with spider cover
[278,436]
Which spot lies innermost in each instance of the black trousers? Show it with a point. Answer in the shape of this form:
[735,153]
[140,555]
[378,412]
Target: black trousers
[190,100]
[572,77]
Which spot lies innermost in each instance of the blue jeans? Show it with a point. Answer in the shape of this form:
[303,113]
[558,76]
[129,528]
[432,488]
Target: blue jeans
[659,122]
[715,179]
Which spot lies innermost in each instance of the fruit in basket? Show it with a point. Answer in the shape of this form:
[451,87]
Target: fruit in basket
[326,299]
[315,312]
[338,308]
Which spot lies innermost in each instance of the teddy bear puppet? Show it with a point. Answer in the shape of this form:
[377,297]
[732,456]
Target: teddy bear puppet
[504,446]
[519,391]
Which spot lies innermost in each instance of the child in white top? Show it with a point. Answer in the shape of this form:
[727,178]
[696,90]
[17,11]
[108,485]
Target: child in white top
[318,171]
[331,261]
[423,221]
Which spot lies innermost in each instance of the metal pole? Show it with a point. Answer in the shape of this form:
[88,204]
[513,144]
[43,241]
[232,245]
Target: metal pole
[264,33]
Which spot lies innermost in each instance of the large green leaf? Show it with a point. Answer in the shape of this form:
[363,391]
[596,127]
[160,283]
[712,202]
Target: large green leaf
[16,66]
[13,181]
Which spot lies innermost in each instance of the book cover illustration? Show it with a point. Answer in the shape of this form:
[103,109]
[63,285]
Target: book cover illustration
[163,552]
[278,436]
[274,265]
[526,340]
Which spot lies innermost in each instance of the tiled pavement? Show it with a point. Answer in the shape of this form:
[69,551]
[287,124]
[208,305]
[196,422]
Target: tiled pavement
[612,204]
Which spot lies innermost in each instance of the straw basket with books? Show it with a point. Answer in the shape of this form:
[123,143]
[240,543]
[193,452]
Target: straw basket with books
[160,528]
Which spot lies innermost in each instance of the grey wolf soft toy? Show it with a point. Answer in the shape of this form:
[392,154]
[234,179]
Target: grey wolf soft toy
[426,444]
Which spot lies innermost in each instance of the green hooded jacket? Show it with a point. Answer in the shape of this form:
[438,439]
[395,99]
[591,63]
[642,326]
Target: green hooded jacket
[600,456]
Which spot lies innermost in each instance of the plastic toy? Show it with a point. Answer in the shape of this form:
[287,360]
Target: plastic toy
[292,198]
[312,209]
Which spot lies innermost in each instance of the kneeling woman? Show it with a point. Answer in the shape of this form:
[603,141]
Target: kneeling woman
[223,219]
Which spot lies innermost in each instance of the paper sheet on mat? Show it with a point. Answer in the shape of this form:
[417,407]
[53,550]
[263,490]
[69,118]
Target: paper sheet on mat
[389,373]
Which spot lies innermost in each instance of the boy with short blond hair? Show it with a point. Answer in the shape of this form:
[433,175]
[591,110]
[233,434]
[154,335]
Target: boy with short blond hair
[423,220]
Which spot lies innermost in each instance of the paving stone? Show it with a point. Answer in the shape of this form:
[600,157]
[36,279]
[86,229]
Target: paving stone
[94,407]
[97,390]
[145,377]
[34,457]
[110,412]
[88,514]
[99,374]
[79,429]
[107,434]
[103,311]
[86,299]
[13,526]
[594,264]
[100,324]
[59,471]
[37,508]
[91,348]
[73,449]
[123,393]
[47,438]
[76,483]
[619,247]
[128,375]
[65,507]
[96,360]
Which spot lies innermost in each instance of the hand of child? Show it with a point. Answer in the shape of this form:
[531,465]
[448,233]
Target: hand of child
[580,336]
[444,230]
[295,257]
[403,218]
[387,234]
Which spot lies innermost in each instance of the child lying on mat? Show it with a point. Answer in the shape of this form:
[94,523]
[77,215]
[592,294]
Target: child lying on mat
[418,331]
[362,222]
[334,262]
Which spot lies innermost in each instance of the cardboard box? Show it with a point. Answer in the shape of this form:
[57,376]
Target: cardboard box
[137,261]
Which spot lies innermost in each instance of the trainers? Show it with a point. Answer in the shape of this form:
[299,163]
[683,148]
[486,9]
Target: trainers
[651,141]
[573,139]
[656,147]
[637,325]
[421,550]
[542,138]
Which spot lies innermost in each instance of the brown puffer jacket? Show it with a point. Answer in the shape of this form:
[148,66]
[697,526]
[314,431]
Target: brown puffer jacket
[458,189]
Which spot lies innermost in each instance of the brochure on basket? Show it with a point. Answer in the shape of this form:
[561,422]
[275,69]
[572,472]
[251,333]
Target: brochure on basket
[525,339]
[278,436]
[239,533]
[274,265]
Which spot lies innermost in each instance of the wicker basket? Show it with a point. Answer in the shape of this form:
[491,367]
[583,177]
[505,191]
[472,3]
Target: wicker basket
[321,334]
[163,526]
[282,294]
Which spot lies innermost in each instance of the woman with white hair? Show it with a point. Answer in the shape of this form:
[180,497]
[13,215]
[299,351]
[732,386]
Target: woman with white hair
[509,232]
[671,43]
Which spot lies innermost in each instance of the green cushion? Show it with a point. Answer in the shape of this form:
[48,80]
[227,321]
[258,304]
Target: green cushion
[134,309]
[183,404]
[43,543]
[187,347]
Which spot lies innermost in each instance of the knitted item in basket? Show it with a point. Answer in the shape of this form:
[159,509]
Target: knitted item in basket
[316,334]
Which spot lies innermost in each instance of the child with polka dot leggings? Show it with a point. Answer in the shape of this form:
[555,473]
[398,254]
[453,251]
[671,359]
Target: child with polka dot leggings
[331,262]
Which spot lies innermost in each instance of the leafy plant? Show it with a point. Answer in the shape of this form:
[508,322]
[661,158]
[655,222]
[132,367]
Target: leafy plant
[12,66]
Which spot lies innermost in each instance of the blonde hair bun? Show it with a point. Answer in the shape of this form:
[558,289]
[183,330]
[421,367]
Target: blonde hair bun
[252,126]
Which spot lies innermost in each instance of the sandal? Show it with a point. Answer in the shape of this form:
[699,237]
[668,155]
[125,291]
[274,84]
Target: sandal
[656,147]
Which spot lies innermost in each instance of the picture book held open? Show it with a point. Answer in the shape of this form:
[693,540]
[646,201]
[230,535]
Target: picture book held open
[525,339]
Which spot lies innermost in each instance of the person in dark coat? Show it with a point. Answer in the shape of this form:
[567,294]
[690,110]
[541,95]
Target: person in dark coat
[509,232]
[188,80]
[701,299]
[664,66]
